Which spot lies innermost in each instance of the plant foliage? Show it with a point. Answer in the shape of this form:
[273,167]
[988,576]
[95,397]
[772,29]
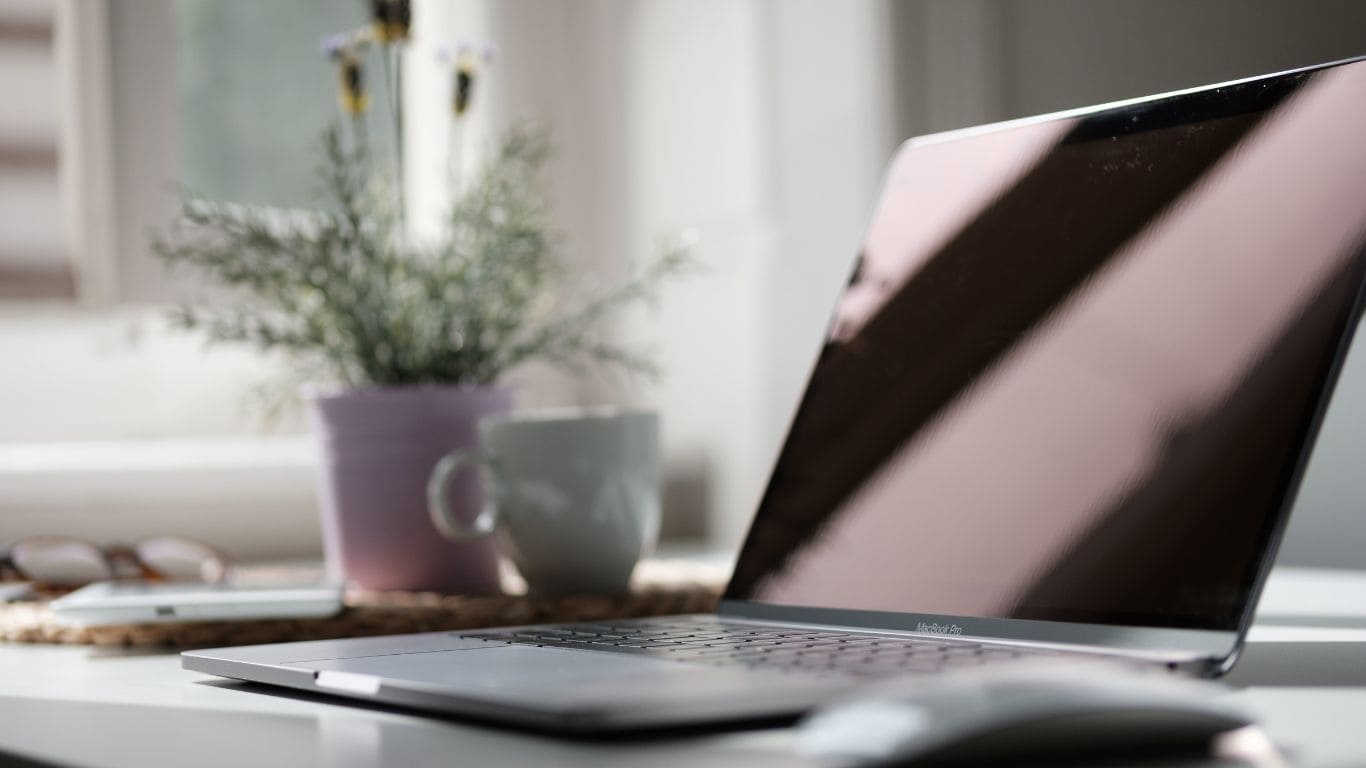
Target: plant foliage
[343,293]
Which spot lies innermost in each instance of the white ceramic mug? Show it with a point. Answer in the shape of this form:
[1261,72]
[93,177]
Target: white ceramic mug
[572,493]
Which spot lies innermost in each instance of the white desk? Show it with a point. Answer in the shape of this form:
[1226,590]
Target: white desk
[78,706]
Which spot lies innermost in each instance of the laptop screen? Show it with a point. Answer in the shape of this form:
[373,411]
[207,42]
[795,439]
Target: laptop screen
[1076,368]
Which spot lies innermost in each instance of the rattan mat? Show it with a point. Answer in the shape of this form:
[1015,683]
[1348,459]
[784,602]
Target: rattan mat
[660,587]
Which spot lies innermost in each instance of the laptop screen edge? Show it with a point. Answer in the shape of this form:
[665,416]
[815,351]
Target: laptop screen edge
[1178,644]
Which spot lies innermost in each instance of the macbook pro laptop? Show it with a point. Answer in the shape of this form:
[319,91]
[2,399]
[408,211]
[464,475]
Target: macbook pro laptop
[1062,408]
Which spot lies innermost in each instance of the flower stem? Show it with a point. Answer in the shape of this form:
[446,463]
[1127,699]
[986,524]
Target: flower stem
[360,139]
[393,75]
[455,155]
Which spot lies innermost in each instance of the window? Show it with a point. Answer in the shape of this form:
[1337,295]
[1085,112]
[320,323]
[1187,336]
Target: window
[253,93]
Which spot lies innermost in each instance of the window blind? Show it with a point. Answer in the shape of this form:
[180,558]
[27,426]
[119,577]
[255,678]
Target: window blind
[34,254]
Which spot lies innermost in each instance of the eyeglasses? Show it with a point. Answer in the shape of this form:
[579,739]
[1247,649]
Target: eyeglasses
[58,561]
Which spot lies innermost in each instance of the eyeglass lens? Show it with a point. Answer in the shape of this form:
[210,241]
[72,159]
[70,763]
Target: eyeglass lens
[181,559]
[60,561]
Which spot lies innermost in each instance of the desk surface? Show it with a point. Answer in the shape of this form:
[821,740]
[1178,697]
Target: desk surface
[86,707]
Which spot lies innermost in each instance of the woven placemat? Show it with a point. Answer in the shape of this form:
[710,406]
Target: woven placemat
[659,587]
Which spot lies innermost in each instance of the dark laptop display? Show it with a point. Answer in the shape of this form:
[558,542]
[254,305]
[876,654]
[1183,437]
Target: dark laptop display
[1076,368]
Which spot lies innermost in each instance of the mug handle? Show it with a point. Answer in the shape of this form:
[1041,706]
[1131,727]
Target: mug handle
[439,500]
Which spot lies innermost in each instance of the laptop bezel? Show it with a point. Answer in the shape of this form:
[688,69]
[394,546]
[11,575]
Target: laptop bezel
[1217,648]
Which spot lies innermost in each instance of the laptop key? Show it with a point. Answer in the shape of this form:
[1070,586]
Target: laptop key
[703,653]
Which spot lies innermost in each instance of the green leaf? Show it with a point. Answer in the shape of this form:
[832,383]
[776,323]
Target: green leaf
[337,290]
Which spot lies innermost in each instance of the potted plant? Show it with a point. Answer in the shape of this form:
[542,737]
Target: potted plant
[414,337]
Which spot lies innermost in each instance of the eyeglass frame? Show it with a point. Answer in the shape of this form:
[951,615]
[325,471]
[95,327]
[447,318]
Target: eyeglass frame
[113,556]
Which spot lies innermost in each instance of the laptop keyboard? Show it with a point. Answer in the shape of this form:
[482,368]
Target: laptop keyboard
[711,641]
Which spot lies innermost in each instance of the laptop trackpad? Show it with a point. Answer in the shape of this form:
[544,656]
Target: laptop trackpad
[571,677]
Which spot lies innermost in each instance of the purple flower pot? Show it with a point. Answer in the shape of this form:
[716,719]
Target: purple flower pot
[378,447]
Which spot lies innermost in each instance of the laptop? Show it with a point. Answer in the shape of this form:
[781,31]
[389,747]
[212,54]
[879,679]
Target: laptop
[1062,409]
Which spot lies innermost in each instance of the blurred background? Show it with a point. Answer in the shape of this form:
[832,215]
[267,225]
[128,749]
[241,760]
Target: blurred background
[763,125]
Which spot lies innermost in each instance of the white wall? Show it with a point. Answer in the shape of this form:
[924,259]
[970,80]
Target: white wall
[660,117]
[731,119]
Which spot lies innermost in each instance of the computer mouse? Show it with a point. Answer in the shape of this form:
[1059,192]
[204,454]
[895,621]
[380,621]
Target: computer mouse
[1021,712]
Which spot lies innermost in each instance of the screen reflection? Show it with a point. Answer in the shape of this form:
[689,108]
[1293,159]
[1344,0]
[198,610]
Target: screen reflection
[1074,372]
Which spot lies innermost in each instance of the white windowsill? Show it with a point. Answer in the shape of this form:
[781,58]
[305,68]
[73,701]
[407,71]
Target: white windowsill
[253,496]
[124,471]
